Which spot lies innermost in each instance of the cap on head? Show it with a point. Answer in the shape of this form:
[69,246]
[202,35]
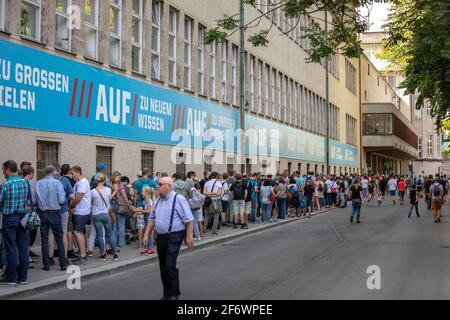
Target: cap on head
[100,167]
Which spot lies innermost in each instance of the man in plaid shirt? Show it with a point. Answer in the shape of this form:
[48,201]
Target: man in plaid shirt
[14,194]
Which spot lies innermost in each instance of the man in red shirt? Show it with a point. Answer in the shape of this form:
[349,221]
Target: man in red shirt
[401,190]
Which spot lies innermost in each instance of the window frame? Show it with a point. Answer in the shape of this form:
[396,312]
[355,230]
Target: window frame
[94,28]
[156,53]
[67,17]
[224,58]
[234,73]
[37,4]
[2,14]
[116,36]
[173,38]
[213,73]
[430,145]
[187,72]
[252,83]
[40,168]
[259,82]
[139,45]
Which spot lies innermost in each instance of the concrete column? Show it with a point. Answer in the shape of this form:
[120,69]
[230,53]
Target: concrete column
[48,23]
[165,42]
[127,18]
[103,32]
[147,37]
[13,16]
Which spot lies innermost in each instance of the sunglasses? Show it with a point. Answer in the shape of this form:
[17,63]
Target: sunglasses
[161,184]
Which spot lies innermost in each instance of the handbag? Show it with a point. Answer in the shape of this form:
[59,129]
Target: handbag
[110,210]
[208,199]
[31,220]
[125,209]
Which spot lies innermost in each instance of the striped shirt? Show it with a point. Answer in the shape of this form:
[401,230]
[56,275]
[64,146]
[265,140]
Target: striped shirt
[14,194]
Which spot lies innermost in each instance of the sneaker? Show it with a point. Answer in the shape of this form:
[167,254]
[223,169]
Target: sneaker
[235,226]
[80,261]
[51,261]
[245,226]
[116,257]
[5,281]
[22,282]
[215,234]
[89,254]
[358,221]
[33,255]
[71,255]
[150,251]
[103,257]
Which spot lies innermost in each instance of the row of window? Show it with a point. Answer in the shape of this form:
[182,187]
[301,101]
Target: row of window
[295,28]
[350,76]
[48,153]
[430,145]
[351,130]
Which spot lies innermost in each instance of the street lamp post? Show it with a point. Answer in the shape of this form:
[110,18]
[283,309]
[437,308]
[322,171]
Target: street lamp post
[327,102]
[242,85]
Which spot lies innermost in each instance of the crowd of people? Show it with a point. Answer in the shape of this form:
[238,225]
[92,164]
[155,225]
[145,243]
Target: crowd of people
[78,215]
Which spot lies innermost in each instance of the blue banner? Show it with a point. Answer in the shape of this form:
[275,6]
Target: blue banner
[268,138]
[42,91]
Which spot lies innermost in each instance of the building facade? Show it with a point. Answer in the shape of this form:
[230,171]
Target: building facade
[132,84]
[390,138]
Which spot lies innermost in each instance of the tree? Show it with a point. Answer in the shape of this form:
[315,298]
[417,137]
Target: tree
[345,22]
[418,44]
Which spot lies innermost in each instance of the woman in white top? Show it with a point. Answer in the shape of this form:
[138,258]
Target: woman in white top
[101,218]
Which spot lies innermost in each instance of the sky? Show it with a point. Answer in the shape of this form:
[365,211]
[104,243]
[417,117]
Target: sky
[378,15]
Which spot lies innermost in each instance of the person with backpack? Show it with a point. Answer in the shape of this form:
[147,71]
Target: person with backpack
[100,168]
[294,199]
[239,192]
[196,205]
[267,199]
[181,186]
[392,187]
[356,195]
[437,193]
[253,188]
[213,204]
[419,186]
[282,198]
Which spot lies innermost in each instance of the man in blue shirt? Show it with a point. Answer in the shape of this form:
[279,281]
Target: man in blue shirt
[172,219]
[140,184]
[51,197]
[14,194]
[253,188]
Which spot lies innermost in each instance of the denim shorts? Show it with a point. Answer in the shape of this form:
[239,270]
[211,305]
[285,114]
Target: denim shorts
[392,193]
[79,222]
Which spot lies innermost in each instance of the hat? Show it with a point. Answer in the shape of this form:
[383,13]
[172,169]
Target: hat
[139,174]
[100,167]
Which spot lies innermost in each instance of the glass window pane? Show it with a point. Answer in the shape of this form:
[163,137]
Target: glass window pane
[113,20]
[90,11]
[155,39]
[155,66]
[135,36]
[29,20]
[172,46]
[136,7]
[62,33]
[61,5]
[155,13]
[135,59]
[90,41]
[114,52]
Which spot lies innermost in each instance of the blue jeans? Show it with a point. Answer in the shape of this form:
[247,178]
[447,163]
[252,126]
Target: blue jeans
[254,207]
[328,198]
[411,206]
[16,245]
[281,202]
[196,214]
[119,230]
[266,211]
[356,204]
[345,200]
[101,221]
[2,264]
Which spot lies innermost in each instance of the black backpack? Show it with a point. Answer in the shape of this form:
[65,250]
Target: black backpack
[436,190]
[239,191]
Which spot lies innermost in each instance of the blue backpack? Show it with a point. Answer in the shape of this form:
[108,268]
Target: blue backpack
[294,191]
[303,203]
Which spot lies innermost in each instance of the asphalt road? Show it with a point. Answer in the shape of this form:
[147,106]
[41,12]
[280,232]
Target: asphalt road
[324,257]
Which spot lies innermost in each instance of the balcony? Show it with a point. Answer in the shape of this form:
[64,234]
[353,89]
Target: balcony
[386,130]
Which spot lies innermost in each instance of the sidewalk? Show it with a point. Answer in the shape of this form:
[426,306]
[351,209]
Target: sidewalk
[129,257]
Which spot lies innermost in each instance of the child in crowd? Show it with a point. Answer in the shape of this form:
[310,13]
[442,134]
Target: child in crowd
[142,217]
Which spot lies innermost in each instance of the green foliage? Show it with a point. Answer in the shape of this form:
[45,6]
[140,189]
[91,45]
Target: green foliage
[419,45]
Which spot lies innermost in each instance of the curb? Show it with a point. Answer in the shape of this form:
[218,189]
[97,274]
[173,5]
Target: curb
[19,292]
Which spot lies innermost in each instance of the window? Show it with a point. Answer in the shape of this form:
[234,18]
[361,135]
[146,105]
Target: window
[266,90]
[31,19]
[234,74]
[115,28]
[187,53]
[284,93]
[91,29]
[438,144]
[224,71]
[137,36]
[63,35]
[208,163]
[156,40]
[377,124]
[274,95]
[201,59]
[350,76]
[173,47]
[295,105]
[2,14]
[212,76]
[252,83]
[104,155]
[430,145]
[350,130]
[368,69]
[279,100]
[47,154]
[420,148]
[147,160]
[378,80]
[299,168]
[248,167]
[181,163]
[259,81]
[230,164]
